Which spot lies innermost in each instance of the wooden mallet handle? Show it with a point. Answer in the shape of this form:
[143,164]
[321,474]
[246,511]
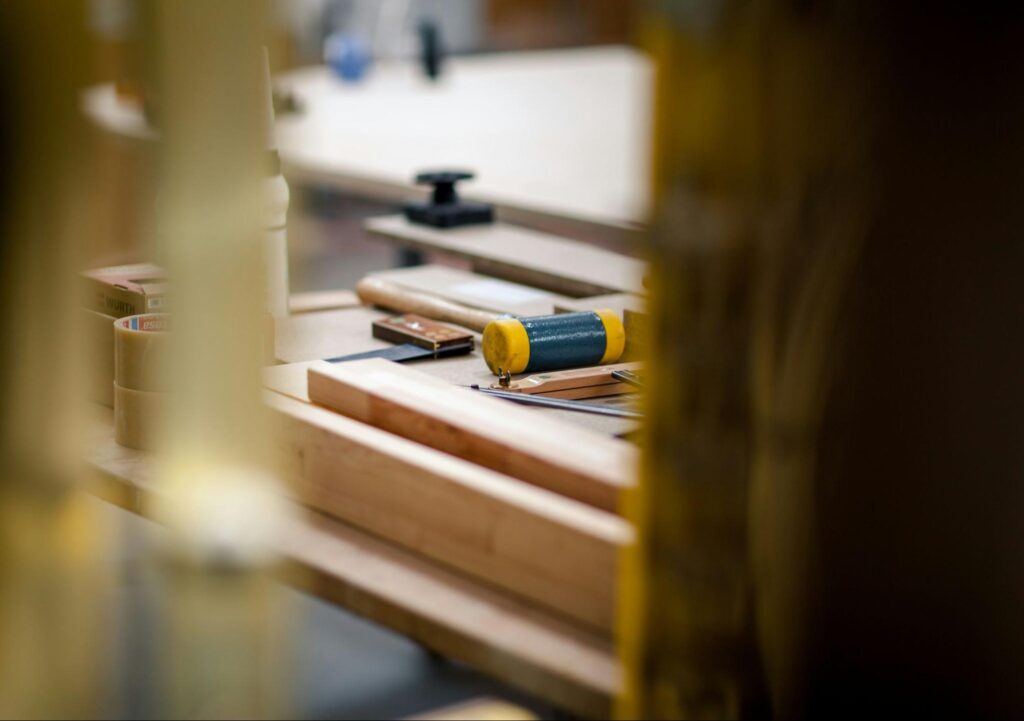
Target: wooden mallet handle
[394,297]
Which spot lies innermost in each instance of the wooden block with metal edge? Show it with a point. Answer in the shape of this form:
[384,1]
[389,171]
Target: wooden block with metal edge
[568,404]
[421,331]
[570,461]
[416,338]
[593,382]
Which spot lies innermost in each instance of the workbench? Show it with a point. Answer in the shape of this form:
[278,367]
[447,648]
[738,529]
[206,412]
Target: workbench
[558,139]
[555,660]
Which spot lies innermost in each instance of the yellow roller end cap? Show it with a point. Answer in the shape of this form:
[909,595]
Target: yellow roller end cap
[616,334]
[506,346]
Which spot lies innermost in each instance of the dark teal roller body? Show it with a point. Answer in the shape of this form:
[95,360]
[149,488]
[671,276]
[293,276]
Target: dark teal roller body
[564,341]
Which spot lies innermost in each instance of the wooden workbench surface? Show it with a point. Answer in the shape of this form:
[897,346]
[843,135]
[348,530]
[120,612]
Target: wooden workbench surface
[554,136]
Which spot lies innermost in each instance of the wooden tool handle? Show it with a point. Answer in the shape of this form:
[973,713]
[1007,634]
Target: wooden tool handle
[394,297]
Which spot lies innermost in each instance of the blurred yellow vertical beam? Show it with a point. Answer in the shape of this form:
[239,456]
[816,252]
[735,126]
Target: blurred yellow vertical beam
[686,642]
[52,650]
[760,213]
[210,212]
[225,659]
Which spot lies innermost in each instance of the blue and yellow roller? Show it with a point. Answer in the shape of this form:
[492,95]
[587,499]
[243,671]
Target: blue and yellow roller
[552,342]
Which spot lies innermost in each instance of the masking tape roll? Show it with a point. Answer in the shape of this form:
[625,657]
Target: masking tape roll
[138,417]
[140,352]
[98,337]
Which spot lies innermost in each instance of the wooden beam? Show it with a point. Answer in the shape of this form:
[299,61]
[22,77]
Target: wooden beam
[474,290]
[448,613]
[570,461]
[290,380]
[521,255]
[533,543]
[619,302]
[320,300]
[572,667]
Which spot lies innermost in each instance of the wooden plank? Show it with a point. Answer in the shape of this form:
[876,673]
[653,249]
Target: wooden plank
[567,460]
[319,300]
[448,613]
[521,255]
[475,290]
[457,617]
[619,302]
[290,380]
[536,544]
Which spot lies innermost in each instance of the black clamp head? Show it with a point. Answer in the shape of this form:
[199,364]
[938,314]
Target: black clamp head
[445,210]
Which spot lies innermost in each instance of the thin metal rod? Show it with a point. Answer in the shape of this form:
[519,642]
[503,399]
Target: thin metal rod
[562,403]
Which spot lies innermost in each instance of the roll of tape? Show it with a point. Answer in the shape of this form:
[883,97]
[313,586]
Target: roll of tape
[140,352]
[553,342]
[138,417]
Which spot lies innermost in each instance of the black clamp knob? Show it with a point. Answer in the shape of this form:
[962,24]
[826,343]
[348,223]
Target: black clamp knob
[445,209]
[431,48]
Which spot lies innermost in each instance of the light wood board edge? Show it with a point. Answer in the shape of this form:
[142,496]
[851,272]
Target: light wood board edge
[319,300]
[573,462]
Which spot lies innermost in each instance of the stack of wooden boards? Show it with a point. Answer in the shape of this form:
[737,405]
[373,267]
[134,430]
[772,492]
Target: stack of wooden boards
[509,498]
[494,490]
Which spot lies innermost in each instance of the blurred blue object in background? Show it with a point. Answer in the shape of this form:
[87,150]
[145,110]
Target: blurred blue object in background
[347,55]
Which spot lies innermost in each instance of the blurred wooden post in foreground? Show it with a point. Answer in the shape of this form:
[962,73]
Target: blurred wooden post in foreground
[53,645]
[226,656]
[833,501]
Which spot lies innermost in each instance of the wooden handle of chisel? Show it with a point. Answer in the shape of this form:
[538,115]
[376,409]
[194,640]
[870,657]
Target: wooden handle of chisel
[394,297]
